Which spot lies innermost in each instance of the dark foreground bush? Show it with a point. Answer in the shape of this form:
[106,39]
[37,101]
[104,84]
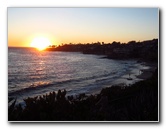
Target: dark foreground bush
[138,102]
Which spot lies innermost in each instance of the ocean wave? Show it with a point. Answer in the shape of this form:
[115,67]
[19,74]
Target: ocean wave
[83,80]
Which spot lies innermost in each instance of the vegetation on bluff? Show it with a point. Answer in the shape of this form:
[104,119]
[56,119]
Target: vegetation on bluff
[138,102]
[115,50]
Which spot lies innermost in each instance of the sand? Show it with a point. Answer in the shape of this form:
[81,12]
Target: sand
[146,73]
[141,72]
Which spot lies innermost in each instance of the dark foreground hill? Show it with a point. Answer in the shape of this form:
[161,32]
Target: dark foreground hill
[138,102]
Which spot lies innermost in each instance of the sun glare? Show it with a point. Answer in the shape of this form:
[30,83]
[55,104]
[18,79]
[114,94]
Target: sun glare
[40,43]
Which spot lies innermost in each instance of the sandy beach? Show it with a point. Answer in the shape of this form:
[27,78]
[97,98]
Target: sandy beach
[146,73]
[142,71]
[139,72]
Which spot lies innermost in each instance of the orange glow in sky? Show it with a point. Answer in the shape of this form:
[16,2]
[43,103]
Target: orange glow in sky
[80,25]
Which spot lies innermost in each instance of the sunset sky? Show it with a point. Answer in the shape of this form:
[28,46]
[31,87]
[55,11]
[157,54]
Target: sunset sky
[81,25]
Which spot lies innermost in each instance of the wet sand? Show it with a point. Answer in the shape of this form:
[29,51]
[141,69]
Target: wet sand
[141,72]
[146,73]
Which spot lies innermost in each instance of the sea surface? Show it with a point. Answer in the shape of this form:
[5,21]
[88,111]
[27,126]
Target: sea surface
[32,72]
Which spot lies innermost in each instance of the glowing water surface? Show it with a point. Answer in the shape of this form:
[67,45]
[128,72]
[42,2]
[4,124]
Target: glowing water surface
[32,72]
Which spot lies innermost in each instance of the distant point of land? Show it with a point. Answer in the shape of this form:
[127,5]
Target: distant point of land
[115,50]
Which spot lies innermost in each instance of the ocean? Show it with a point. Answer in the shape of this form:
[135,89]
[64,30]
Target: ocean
[32,72]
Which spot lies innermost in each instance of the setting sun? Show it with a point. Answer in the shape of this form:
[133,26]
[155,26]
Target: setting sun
[40,43]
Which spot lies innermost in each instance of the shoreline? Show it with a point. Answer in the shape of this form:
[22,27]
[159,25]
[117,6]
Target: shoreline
[147,73]
[142,71]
